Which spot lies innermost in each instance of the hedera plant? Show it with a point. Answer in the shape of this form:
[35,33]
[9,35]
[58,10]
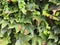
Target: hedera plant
[29,22]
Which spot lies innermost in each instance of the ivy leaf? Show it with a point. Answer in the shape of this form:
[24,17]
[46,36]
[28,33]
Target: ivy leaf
[51,36]
[30,28]
[43,36]
[23,10]
[34,40]
[10,26]
[18,28]
[11,21]
[4,41]
[39,41]
[3,31]
[1,35]
[59,42]
[25,38]
[46,7]
[21,5]
[21,42]
[25,20]
[53,1]
[4,24]
[56,29]
[51,43]
[8,32]
[31,7]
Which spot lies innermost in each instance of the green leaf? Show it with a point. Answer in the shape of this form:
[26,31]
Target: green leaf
[25,20]
[4,41]
[23,10]
[3,31]
[34,40]
[31,7]
[43,36]
[8,32]
[21,42]
[30,29]
[51,36]
[1,35]
[18,27]
[26,38]
[59,42]
[51,43]
[53,1]
[56,29]
[46,6]
[11,26]
[4,24]
[11,21]
[39,41]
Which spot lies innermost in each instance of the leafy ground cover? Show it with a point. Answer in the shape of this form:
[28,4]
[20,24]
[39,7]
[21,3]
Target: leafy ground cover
[29,22]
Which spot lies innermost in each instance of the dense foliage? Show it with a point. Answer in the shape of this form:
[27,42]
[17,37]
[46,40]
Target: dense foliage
[29,22]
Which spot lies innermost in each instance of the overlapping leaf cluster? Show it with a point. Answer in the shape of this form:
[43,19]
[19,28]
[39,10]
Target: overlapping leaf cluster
[29,22]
